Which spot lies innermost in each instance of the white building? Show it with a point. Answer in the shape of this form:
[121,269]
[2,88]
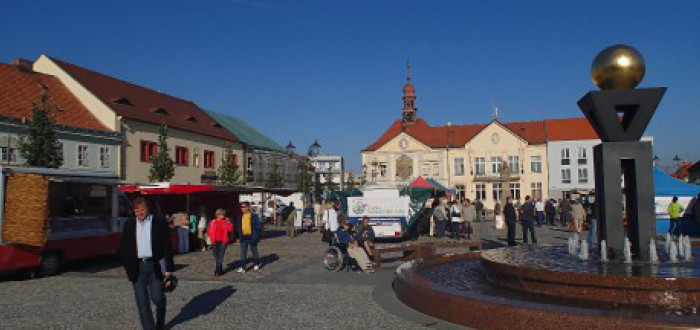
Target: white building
[332,166]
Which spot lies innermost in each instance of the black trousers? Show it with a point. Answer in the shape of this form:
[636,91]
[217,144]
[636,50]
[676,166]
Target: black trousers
[147,285]
[511,233]
[550,218]
[529,226]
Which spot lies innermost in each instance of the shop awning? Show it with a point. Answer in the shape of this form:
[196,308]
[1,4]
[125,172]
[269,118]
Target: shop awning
[167,188]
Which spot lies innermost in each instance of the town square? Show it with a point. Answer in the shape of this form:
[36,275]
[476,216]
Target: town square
[276,164]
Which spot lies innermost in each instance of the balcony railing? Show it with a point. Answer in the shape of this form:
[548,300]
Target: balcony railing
[495,177]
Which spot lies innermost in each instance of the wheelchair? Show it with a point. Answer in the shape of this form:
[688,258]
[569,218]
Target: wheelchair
[336,257]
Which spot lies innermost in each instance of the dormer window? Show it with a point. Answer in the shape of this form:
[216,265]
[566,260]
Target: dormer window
[160,111]
[190,118]
[123,100]
[215,125]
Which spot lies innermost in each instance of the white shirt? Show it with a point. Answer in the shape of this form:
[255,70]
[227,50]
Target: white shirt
[539,206]
[330,220]
[143,237]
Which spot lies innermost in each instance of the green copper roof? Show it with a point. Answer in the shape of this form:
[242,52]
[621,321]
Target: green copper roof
[246,133]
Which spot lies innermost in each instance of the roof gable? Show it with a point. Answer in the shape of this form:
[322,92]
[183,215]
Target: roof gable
[19,89]
[395,144]
[140,103]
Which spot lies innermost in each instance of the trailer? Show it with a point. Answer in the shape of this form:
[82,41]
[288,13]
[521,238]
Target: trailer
[52,216]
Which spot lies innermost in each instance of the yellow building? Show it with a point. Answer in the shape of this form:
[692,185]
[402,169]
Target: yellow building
[481,161]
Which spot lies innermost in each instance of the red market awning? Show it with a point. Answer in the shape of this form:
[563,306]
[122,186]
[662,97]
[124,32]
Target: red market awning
[167,188]
[419,182]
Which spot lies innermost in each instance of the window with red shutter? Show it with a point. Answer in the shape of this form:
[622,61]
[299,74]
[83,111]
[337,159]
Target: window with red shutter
[182,156]
[148,150]
[208,159]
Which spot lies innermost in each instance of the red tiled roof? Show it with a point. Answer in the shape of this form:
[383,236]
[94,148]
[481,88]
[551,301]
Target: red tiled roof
[143,104]
[683,172]
[569,129]
[18,89]
[534,132]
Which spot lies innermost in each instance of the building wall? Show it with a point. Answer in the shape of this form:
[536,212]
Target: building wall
[10,134]
[336,170]
[441,162]
[136,171]
[259,165]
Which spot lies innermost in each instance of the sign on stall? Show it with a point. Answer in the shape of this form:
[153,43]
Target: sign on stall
[390,209]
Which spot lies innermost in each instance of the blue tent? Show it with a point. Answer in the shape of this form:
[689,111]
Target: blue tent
[667,186]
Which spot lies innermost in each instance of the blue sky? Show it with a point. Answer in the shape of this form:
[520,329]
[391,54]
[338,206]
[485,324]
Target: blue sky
[333,70]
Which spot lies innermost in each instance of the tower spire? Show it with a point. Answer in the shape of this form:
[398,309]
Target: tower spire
[495,111]
[408,70]
[409,98]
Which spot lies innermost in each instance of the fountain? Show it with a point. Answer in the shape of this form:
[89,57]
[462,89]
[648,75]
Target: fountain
[688,249]
[681,246]
[667,243]
[653,255]
[583,255]
[624,285]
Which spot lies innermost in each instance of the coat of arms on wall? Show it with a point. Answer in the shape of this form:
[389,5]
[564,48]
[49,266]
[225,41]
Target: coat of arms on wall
[404,167]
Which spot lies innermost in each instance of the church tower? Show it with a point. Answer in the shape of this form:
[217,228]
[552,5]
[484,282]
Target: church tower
[409,113]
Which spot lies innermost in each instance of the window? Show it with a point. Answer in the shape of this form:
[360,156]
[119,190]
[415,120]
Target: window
[566,175]
[209,159]
[160,111]
[565,157]
[582,160]
[496,164]
[382,169]
[195,159]
[497,191]
[83,155]
[233,159]
[514,164]
[582,175]
[9,155]
[536,188]
[459,166]
[148,150]
[480,165]
[461,191]
[515,190]
[536,164]
[182,156]
[481,191]
[431,168]
[104,157]
[190,118]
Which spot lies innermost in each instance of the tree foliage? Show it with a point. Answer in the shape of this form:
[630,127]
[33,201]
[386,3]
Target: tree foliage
[229,172]
[306,180]
[162,166]
[40,146]
[274,178]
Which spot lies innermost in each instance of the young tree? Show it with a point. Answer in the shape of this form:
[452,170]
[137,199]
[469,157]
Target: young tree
[40,146]
[229,172]
[306,183]
[329,184]
[274,178]
[162,166]
[350,182]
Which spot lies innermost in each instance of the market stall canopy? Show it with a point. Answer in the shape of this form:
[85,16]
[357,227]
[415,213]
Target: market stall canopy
[440,186]
[665,185]
[167,188]
[420,182]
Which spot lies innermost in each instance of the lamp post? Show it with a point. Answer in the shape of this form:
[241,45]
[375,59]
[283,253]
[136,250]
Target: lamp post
[677,161]
[314,149]
[656,161]
[290,147]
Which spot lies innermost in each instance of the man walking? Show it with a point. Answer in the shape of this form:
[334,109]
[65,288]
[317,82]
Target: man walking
[564,212]
[440,217]
[249,233]
[147,257]
[527,220]
[290,220]
[468,216]
[511,217]
[479,207]
[539,206]
[675,211]
[549,211]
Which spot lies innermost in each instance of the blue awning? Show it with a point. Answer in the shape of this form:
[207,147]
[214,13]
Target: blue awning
[666,185]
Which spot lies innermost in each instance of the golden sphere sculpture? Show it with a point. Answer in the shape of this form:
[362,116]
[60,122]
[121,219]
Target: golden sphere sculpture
[618,67]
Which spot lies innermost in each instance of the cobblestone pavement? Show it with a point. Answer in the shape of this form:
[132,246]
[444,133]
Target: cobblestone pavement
[292,290]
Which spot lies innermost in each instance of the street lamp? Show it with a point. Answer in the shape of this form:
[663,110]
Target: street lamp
[314,149]
[677,161]
[290,147]
[656,161]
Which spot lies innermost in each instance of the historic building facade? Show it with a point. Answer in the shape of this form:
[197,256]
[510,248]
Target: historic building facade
[196,141]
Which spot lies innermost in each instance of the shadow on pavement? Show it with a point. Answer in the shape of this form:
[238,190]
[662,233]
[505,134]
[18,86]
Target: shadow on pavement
[202,304]
[264,260]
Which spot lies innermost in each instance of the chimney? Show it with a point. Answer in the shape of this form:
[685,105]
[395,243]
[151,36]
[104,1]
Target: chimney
[23,65]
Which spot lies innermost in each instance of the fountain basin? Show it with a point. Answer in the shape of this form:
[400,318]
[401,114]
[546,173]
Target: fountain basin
[455,288]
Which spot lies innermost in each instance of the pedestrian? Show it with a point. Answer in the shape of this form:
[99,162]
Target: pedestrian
[479,207]
[539,206]
[183,229]
[202,228]
[593,226]
[330,223]
[468,216]
[527,220]
[511,216]
[549,211]
[440,216]
[456,219]
[218,231]
[148,261]
[675,212]
[291,219]
[307,217]
[578,215]
[249,233]
[564,212]
[193,231]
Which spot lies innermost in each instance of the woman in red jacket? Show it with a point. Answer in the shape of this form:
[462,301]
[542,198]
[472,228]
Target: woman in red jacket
[217,231]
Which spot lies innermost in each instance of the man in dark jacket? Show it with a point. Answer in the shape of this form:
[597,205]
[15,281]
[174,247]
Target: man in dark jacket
[527,220]
[250,230]
[511,216]
[550,211]
[147,256]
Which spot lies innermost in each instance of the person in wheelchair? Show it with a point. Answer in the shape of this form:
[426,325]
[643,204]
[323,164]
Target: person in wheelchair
[345,247]
[365,236]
